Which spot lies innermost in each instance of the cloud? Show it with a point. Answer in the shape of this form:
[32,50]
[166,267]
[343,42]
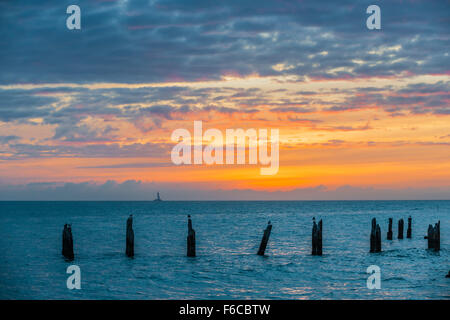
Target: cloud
[131,165]
[21,104]
[8,139]
[292,110]
[94,150]
[346,128]
[142,41]
[415,98]
[82,119]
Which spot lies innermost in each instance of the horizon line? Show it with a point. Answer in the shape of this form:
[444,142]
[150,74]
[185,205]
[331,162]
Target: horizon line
[312,200]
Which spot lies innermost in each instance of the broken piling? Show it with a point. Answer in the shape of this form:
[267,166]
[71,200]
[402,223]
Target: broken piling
[317,238]
[67,242]
[400,229]
[375,237]
[265,239]
[190,239]
[434,236]
[129,251]
[409,230]
[389,233]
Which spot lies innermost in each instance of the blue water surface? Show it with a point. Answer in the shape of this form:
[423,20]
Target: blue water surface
[228,236]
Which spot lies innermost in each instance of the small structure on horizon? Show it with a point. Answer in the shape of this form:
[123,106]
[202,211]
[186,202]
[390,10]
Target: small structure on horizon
[190,239]
[158,198]
[375,237]
[265,239]
[317,238]
[67,243]
[129,251]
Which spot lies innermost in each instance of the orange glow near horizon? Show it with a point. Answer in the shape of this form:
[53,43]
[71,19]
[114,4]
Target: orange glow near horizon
[360,146]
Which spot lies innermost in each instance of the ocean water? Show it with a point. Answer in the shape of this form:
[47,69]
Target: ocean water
[228,235]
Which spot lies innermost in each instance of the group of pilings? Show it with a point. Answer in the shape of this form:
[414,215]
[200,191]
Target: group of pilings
[401,224]
[433,237]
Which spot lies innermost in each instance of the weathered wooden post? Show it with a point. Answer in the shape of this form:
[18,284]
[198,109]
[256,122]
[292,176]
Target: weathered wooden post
[67,242]
[378,239]
[400,229]
[190,239]
[437,236]
[389,233]
[265,239]
[315,237]
[319,239]
[430,236]
[434,236]
[129,251]
[409,231]
[375,237]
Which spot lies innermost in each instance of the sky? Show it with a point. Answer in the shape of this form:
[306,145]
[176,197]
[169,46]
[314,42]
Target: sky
[88,114]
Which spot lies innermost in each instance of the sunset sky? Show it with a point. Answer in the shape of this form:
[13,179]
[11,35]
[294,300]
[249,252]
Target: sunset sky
[88,114]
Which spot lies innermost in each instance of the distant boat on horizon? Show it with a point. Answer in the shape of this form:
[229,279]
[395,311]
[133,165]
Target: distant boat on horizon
[158,198]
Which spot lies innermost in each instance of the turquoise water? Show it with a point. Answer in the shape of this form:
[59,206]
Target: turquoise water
[228,236]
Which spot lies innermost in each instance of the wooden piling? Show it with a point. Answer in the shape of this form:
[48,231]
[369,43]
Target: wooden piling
[378,239]
[317,238]
[129,251]
[265,239]
[67,242]
[434,236]
[400,229]
[430,236]
[389,233]
[375,237]
[437,236]
[409,230]
[190,239]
